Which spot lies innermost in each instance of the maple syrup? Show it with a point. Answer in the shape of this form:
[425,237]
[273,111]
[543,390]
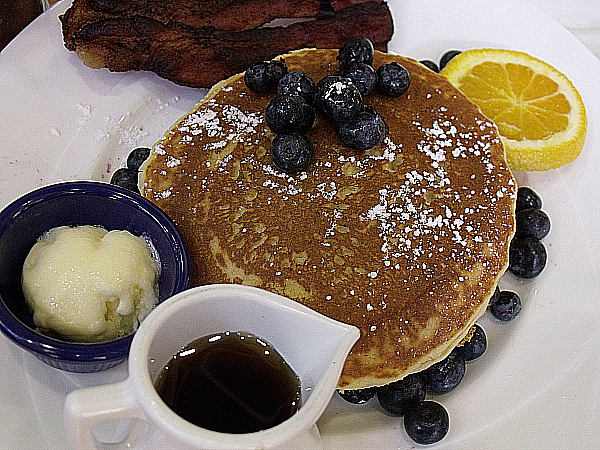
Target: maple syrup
[230,382]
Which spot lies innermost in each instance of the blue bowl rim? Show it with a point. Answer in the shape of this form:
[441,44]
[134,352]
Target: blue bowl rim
[102,352]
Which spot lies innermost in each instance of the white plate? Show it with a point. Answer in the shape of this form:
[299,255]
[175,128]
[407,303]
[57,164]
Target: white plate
[537,386]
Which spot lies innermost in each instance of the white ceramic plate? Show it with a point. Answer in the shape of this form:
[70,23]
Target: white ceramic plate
[537,386]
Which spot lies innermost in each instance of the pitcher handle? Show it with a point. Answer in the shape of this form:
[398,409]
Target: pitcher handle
[87,407]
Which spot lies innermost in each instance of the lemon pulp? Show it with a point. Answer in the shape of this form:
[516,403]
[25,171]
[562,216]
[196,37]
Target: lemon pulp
[539,113]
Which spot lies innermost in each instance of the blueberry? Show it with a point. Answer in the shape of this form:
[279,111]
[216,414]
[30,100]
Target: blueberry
[126,178]
[264,76]
[398,397]
[358,396]
[364,131]
[507,306]
[289,113]
[532,223]
[527,257]
[431,65]
[445,375]
[337,98]
[527,198]
[363,76]
[136,157]
[446,57]
[392,79]
[358,49]
[291,152]
[297,82]
[427,422]
[476,346]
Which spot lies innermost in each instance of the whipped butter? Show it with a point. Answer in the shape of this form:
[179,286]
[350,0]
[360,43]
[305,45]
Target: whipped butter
[87,284]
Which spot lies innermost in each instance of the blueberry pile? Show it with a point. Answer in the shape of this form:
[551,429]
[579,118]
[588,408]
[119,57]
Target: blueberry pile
[289,115]
[527,252]
[127,177]
[339,98]
[425,421]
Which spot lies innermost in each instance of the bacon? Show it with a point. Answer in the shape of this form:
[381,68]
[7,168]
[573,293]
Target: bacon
[201,49]
[231,15]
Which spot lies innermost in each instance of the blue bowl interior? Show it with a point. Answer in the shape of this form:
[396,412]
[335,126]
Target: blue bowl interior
[80,203]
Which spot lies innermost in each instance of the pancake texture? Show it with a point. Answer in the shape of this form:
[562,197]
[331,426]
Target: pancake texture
[406,241]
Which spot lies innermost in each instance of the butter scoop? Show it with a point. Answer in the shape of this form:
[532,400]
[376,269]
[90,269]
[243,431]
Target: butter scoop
[87,284]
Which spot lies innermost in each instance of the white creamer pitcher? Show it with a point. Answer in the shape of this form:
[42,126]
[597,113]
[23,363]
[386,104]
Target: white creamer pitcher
[312,344]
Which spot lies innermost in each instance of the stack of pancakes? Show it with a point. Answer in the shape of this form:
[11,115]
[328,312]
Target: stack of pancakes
[406,241]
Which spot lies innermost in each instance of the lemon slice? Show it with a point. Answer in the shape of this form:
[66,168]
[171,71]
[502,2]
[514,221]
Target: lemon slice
[539,113]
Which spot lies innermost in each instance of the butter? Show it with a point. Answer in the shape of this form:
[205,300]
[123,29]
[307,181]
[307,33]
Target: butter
[89,285]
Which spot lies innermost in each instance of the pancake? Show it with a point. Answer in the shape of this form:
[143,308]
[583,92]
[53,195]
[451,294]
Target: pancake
[406,241]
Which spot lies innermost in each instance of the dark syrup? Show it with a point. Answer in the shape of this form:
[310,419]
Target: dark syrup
[231,383]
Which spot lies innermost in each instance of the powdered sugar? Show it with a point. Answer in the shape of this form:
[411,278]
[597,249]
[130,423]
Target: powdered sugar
[405,212]
[405,216]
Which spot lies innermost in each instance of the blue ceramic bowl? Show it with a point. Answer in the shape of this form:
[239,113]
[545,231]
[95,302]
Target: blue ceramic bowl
[80,203]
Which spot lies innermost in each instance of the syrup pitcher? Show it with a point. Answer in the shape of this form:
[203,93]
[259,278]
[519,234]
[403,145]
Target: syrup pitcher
[314,346]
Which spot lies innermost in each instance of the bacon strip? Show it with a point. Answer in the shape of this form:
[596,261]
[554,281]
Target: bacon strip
[123,35]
